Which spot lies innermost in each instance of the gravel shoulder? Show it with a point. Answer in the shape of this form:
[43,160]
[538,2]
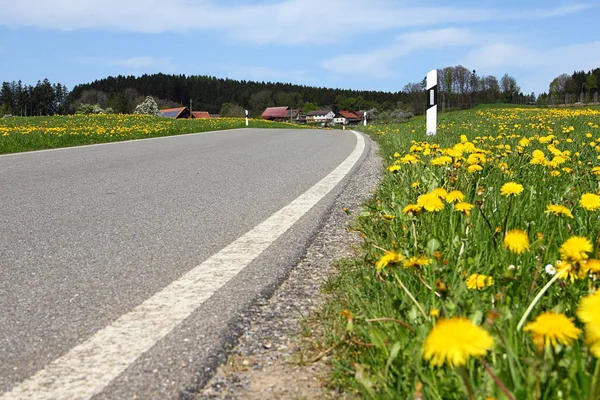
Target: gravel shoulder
[274,356]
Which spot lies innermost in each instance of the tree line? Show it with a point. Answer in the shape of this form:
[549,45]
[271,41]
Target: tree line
[458,88]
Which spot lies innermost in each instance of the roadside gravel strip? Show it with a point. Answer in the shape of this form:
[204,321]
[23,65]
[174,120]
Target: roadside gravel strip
[264,363]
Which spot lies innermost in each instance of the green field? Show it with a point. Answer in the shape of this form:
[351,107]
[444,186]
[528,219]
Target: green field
[480,263]
[36,133]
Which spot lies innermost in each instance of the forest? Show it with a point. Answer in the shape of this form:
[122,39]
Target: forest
[459,88]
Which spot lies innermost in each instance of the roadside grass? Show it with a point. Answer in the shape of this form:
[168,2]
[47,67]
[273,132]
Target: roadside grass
[479,263]
[19,134]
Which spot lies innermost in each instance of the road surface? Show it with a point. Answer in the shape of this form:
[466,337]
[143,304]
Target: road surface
[125,267]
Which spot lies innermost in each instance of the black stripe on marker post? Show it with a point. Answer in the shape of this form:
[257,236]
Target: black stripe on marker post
[432,95]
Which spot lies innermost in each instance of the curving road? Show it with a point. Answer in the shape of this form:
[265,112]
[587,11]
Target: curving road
[124,267]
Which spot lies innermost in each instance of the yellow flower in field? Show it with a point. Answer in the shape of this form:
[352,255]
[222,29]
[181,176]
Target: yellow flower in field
[558,210]
[463,207]
[591,266]
[478,281]
[553,328]
[440,192]
[389,257]
[575,248]
[454,196]
[516,241]
[474,168]
[396,155]
[410,159]
[416,185]
[595,171]
[554,173]
[589,313]
[388,216]
[442,160]
[590,201]
[420,261]
[452,341]
[394,168]
[434,312]
[538,158]
[511,189]
[430,202]
[412,208]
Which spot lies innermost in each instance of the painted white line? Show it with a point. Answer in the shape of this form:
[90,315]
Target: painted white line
[89,367]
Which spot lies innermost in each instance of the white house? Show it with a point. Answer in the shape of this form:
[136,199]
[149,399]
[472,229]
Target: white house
[320,116]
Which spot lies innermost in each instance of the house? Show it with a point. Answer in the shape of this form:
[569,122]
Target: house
[346,117]
[176,113]
[281,114]
[201,114]
[320,116]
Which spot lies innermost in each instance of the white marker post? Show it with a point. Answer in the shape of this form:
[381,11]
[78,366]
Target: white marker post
[365,117]
[432,89]
[246,117]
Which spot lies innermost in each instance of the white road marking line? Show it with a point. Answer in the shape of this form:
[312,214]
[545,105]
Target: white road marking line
[89,367]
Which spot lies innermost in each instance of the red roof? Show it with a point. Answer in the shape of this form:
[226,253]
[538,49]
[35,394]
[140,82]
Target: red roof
[201,114]
[171,112]
[276,112]
[349,114]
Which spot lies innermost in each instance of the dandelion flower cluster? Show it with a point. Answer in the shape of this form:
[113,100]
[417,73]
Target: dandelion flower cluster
[478,281]
[389,257]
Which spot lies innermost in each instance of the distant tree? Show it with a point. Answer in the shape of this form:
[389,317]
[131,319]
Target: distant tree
[590,84]
[147,107]
[308,107]
[510,89]
[232,110]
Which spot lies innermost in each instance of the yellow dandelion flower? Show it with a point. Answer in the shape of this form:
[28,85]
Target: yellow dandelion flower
[412,209]
[430,202]
[416,262]
[478,281]
[389,257]
[393,168]
[410,159]
[590,201]
[511,189]
[553,328]
[442,160]
[455,196]
[591,266]
[516,241]
[463,207]
[474,168]
[434,312]
[554,173]
[589,313]
[452,341]
[558,210]
[595,170]
[440,192]
[575,248]
[416,185]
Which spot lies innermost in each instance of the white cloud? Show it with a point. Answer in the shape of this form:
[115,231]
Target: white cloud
[163,64]
[279,22]
[377,62]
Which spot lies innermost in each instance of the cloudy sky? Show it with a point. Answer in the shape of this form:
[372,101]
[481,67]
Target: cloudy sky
[373,45]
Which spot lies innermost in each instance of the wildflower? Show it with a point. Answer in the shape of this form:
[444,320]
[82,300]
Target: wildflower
[452,341]
[558,210]
[416,262]
[442,160]
[412,209]
[463,207]
[550,270]
[389,257]
[388,216]
[516,241]
[416,185]
[440,286]
[478,281]
[430,202]
[575,248]
[554,173]
[590,201]
[440,192]
[595,170]
[589,313]
[396,155]
[511,189]
[553,328]
[410,159]
[591,266]
[474,168]
[434,312]
[394,168]
[454,196]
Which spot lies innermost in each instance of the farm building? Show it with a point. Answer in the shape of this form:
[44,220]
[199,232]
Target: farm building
[176,113]
[281,114]
[346,117]
[320,116]
[201,114]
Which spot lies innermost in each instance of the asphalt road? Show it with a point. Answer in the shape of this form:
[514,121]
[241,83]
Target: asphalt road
[88,234]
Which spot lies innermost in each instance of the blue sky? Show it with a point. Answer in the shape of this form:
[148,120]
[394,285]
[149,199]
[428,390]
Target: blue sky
[372,45]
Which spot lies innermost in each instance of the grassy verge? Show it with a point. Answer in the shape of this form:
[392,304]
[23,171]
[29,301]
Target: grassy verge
[37,133]
[479,267]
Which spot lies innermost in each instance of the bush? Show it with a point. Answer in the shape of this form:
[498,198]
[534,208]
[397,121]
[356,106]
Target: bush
[147,107]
